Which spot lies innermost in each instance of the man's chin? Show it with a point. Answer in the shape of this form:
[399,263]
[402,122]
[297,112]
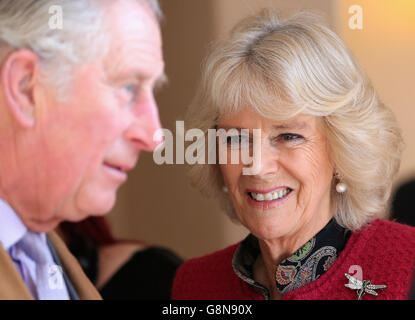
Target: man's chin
[97,207]
[96,201]
[80,216]
[41,226]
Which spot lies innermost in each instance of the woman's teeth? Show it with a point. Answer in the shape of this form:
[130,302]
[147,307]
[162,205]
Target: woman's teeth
[275,195]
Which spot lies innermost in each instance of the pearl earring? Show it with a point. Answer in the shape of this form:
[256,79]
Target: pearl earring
[225,189]
[341,187]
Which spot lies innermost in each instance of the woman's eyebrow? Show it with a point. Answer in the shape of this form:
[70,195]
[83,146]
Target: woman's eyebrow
[291,126]
[285,126]
[231,127]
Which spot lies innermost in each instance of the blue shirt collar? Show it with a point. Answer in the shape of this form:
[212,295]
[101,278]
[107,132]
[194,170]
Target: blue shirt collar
[12,229]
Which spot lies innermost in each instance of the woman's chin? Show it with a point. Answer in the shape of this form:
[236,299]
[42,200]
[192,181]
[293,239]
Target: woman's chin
[265,229]
[269,224]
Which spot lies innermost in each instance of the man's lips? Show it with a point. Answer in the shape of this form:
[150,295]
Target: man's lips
[120,167]
[118,171]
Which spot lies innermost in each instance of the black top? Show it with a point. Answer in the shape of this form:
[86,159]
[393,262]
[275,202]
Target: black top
[147,275]
[402,203]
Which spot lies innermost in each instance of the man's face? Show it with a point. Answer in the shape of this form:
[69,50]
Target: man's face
[83,147]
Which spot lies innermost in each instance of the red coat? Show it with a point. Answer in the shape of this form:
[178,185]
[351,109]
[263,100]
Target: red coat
[384,250]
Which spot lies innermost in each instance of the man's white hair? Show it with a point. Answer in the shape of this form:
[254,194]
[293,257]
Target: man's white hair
[155,7]
[26,24]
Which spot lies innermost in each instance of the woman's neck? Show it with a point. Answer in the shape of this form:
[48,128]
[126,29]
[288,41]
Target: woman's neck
[274,251]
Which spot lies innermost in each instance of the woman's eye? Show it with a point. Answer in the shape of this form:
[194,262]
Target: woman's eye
[237,141]
[290,138]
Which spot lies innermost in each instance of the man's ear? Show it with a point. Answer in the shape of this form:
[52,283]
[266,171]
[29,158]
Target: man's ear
[17,77]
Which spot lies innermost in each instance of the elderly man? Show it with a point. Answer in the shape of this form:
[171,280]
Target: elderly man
[76,108]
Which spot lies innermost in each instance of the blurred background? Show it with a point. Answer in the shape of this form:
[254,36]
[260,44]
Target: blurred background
[157,205]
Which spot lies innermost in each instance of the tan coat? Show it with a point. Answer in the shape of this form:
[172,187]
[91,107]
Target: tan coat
[12,286]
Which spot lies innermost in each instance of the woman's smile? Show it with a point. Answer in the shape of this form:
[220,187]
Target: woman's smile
[268,199]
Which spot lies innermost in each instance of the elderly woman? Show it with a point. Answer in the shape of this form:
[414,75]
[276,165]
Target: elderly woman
[329,152]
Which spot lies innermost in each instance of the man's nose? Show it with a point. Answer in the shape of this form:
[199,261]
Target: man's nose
[145,124]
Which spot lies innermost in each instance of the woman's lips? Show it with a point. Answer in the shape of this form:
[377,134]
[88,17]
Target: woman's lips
[268,199]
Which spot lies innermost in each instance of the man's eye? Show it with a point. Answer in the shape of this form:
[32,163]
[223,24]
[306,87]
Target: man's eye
[131,91]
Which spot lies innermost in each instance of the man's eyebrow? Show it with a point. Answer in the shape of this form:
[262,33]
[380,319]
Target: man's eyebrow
[161,81]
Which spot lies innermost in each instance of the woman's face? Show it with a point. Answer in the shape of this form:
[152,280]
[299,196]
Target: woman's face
[290,193]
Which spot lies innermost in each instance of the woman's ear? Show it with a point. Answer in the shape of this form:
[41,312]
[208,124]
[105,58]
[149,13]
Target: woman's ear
[17,77]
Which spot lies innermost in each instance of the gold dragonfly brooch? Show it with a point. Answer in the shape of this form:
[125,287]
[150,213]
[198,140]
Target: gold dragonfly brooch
[362,287]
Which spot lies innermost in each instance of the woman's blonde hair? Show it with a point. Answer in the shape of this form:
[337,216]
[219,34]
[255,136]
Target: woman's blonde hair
[282,68]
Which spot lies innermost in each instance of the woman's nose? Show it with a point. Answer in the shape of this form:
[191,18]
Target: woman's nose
[265,161]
